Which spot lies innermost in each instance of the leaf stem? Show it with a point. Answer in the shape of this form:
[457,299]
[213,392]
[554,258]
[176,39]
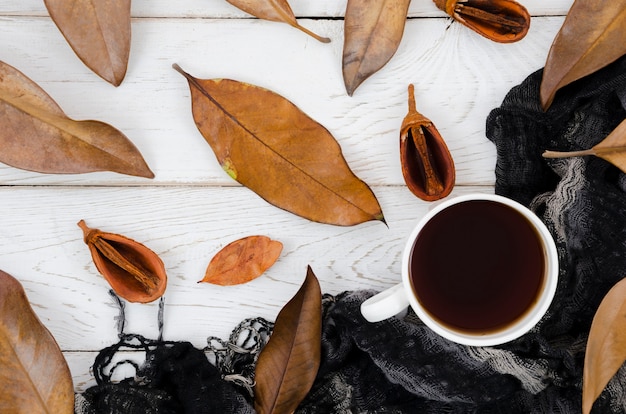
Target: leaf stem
[313,35]
[566,154]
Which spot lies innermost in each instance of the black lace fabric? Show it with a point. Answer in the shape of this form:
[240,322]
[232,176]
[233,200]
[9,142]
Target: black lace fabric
[400,366]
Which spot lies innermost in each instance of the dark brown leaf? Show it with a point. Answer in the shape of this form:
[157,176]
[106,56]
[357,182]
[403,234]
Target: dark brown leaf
[242,260]
[275,11]
[611,149]
[134,271]
[34,377]
[427,165]
[373,30]
[267,144]
[606,346]
[288,364]
[592,36]
[503,21]
[36,135]
[98,32]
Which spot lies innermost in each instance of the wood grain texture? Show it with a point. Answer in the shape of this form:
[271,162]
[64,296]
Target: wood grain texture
[301,8]
[459,77]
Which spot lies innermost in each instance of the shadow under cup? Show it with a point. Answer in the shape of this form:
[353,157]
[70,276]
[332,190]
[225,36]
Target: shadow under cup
[482,270]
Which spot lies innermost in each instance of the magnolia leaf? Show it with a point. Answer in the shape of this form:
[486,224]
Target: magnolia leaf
[242,261]
[98,32]
[34,375]
[373,30]
[269,145]
[606,346]
[288,364]
[611,149]
[592,36]
[36,135]
[275,11]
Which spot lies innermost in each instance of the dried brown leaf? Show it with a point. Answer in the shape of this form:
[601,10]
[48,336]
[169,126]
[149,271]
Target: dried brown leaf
[242,260]
[269,145]
[592,36]
[503,21]
[288,364]
[275,11]
[611,149]
[606,346]
[36,135]
[34,376]
[373,30]
[98,32]
[135,272]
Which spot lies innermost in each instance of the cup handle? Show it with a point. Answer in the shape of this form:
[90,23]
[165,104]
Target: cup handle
[385,304]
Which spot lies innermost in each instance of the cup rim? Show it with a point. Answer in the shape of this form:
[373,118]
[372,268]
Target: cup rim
[520,327]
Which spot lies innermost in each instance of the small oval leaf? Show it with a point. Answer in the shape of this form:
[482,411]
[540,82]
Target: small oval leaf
[288,364]
[269,145]
[135,272]
[591,37]
[36,135]
[242,261]
[34,375]
[606,346]
[98,32]
[373,30]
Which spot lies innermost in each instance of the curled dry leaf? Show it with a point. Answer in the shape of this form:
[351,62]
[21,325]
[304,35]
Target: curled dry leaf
[98,32]
[135,272]
[36,135]
[275,11]
[373,30]
[503,21]
[242,260]
[611,149]
[266,143]
[427,165]
[34,376]
[592,36]
[288,364]
[606,346]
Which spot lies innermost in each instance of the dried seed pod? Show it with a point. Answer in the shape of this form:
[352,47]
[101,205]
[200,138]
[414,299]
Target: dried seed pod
[134,272]
[427,164]
[503,21]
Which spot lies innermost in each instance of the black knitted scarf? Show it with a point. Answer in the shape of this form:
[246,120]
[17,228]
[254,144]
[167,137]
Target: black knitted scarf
[399,365]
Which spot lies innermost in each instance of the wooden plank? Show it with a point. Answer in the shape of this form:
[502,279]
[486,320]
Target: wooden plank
[304,8]
[41,246]
[459,78]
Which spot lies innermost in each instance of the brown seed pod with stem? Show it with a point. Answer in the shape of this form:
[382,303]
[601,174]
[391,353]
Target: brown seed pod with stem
[427,165]
[135,272]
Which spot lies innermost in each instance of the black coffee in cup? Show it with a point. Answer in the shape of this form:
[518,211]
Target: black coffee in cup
[477,266]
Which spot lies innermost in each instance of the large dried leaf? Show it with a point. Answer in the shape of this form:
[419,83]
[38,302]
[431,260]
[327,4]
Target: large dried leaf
[373,30]
[36,135]
[592,36]
[288,364]
[34,377]
[275,11]
[611,149]
[267,144]
[242,261]
[606,346]
[98,32]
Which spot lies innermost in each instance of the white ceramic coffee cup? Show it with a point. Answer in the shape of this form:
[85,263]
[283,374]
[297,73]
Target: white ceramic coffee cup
[396,299]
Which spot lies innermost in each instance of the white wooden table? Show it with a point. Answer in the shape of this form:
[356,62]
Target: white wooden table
[191,208]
